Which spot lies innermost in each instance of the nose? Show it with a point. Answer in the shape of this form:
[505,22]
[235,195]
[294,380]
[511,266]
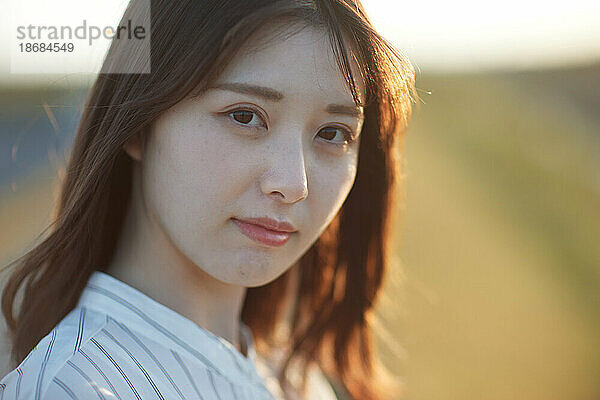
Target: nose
[285,178]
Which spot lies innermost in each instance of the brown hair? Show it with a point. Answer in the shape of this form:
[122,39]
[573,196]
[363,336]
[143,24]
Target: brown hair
[340,275]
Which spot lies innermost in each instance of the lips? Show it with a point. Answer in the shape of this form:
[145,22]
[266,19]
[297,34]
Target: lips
[270,224]
[265,231]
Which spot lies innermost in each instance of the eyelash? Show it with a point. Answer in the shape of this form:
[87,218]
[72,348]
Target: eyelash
[348,137]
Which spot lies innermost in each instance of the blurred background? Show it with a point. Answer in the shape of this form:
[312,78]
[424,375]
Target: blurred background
[496,291]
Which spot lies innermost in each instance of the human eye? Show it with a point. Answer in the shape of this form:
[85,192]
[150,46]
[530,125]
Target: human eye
[247,117]
[344,135]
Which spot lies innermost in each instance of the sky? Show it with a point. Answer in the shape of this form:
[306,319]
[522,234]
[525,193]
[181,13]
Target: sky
[470,35]
[437,36]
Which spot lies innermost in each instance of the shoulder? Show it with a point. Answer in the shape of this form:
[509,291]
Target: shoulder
[112,360]
[317,385]
[38,372]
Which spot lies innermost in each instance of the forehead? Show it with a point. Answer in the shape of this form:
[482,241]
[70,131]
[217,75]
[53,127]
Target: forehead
[294,59]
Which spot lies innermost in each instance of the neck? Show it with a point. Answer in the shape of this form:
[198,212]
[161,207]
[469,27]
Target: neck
[147,260]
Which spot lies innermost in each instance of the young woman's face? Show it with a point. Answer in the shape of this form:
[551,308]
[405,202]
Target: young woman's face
[276,136]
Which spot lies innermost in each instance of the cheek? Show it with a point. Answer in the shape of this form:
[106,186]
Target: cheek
[331,185]
[218,169]
[195,171]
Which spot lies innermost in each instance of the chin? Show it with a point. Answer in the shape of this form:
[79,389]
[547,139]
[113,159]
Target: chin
[259,283]
[249,277]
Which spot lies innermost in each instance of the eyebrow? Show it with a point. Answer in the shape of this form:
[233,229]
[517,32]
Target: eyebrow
[274,95]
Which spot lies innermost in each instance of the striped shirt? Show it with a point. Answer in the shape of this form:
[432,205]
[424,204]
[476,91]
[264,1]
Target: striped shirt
[118,343]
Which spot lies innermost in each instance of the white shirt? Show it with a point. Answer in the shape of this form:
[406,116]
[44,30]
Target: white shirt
[118,343]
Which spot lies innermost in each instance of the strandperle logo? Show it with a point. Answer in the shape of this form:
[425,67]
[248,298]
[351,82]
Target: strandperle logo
[75,36]
[83,31]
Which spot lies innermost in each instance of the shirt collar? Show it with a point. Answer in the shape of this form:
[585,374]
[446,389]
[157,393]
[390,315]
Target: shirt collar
[108,295]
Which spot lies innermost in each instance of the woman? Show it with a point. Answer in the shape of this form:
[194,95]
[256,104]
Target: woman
[210,199]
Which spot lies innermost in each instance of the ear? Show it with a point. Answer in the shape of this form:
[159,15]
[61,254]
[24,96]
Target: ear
[134,147]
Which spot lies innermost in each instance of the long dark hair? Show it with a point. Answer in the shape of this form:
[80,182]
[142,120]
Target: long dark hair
[339,276]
